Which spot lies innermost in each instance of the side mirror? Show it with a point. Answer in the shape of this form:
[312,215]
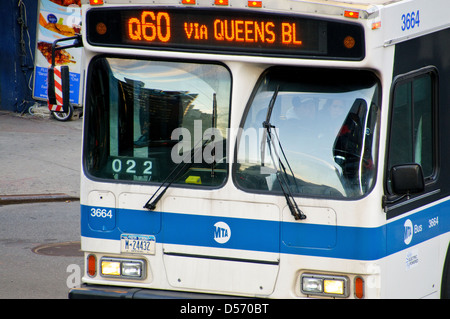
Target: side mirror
[407,179]
[58,93]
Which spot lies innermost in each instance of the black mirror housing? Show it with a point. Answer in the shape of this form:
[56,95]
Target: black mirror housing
[59,87]
[407,179]
[58,80]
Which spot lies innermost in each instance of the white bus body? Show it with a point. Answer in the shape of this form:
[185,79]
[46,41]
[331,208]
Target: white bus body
[233,234]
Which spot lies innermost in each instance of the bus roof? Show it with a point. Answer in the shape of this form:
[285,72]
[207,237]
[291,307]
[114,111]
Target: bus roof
[366,2]
[351,3]
[327,7]
[357,4]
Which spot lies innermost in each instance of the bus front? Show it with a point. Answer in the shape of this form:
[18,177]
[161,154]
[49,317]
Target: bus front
[229,150]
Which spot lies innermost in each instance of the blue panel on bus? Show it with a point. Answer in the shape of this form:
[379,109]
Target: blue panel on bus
[350,242]
[111,223]
[139,221]
[359,243]
[296,235]
[419,227]
[101,218]
[222,232]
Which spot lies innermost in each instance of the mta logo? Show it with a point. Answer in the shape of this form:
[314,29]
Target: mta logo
[222,232]
[408,234]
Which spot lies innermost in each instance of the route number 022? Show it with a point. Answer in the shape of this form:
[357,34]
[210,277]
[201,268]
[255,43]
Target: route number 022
[410,20]
[131,166]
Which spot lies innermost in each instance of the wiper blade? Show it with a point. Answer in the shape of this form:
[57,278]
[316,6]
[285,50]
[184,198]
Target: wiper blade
[266,124]
[213,125]
[172,177]
[183,165]
[282,180]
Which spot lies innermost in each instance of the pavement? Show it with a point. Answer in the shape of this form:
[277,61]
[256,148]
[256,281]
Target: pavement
[40,157]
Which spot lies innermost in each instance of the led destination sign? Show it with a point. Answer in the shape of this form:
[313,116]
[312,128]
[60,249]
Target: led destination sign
[227,31]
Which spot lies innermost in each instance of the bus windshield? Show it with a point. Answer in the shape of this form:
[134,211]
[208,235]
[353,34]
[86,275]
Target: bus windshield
[324,125]
[144,118]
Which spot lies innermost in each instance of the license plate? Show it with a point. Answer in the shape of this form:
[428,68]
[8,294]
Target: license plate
[138,244]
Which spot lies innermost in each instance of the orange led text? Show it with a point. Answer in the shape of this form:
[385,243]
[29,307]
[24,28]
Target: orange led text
[158,27]
[244,31]
[150,27]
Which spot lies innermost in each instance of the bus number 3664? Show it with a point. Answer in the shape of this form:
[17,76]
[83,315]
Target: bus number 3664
[101,212]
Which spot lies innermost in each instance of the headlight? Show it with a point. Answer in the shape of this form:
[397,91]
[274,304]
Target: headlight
[312,284]
[123,268]
[110,268]
[324,285]
[132,269]
[334,286]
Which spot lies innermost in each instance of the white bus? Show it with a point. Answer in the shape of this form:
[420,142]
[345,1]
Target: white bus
[274,149]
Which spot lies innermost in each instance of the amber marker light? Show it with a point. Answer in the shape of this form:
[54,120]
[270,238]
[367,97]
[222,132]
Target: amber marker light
[255,4]
[376,25]
[221,2]
[351,14]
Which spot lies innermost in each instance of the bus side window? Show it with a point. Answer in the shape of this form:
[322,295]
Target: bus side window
[412,137]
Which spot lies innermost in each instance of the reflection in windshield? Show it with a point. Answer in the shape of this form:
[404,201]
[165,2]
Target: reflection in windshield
[135,108]
[326,123]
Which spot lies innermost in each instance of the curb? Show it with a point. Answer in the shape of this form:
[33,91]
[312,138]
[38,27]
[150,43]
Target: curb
[35,198]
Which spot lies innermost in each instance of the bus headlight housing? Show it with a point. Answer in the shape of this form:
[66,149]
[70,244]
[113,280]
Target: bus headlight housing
[123,268]
[324,285]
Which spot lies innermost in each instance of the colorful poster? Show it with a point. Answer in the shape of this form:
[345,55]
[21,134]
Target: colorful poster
[58,19]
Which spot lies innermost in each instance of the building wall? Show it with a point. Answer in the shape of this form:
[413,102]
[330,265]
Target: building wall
[18,20]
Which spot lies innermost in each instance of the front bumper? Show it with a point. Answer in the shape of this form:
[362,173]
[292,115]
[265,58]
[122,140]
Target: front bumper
[114,292]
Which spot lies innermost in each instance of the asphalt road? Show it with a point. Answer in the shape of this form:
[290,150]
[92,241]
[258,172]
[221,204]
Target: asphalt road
[39,250]
[39,155]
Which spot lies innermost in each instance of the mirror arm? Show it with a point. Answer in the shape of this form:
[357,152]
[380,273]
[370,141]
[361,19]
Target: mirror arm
[76,44]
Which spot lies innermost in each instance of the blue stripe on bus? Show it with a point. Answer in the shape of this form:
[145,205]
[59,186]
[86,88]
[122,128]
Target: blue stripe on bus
[298,238]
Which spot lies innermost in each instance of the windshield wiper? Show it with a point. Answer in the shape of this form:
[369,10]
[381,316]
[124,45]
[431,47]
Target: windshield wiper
[183,165]
[282,179]
[214,126]
[173,176]
[266,124]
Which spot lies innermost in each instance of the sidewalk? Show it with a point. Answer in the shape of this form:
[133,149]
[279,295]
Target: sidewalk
[40,158]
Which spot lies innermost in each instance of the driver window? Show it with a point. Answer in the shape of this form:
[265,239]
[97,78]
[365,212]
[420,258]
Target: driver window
[412,128]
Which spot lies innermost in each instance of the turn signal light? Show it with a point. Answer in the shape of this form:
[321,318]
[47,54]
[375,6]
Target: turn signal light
[95,2]
[359,287]
[188,1]
[92,265]
[111,268]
